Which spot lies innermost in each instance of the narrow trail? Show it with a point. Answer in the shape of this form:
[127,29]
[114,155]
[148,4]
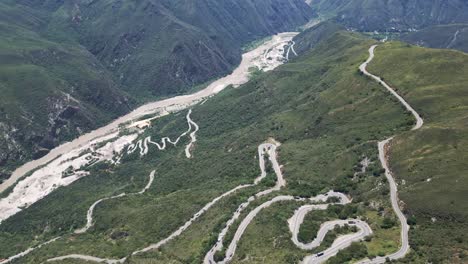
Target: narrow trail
[143,144]
[271,148]
[383,147]
[27,251]
[193,137]
[89,216]
[454,39]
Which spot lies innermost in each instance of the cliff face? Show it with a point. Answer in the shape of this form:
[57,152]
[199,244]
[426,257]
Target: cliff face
[68,66]
[395,15]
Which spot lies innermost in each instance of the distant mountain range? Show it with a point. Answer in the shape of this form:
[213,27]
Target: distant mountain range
[398,15]
[452,36]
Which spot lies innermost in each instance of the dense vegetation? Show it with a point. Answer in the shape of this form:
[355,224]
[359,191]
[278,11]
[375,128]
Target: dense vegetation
[327,116]
[67,67]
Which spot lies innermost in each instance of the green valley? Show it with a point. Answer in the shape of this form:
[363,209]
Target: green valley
[342,143]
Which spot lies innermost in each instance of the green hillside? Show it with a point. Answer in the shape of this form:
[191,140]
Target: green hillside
[314,35]
[432,161]
[160,48]
[50,92]
[70,66]
[327,116]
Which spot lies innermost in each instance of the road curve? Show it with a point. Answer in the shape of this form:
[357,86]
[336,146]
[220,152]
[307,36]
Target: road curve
[280,182]
[89,215]
[193,137]
[363,69]
[271,148]
[238,77]
[143,144]
[26,252]
[340,243]
[383,146]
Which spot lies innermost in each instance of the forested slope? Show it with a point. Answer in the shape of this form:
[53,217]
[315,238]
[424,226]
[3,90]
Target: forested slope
[71,66]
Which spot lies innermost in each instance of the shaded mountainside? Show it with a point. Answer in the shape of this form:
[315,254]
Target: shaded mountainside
[50,92]
[69,66]
[441,36]
[314,35]
[398,15]
[159,48]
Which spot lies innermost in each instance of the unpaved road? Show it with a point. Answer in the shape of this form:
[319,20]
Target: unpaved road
[262,149]
[239,76]
[383,145]
[280,182]
[294,222]
[89,215]
[31,189]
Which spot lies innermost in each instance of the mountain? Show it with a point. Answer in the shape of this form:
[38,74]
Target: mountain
[398,15]
[158,48]
[51,92]
[328,118]
[316,34]
[71,66]
[452,36]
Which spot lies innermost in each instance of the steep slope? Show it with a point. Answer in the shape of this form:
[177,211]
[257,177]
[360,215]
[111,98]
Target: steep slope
[314,35]
[158,48]
[399,15]
[442,36]
[50,92]
[327,117]
[70,66]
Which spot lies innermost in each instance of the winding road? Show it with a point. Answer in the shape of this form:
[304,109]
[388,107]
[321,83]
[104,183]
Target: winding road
[383,147]
[142,144]
[89,215]
[262,149]
[316,203]
[291,48]
[294,222]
